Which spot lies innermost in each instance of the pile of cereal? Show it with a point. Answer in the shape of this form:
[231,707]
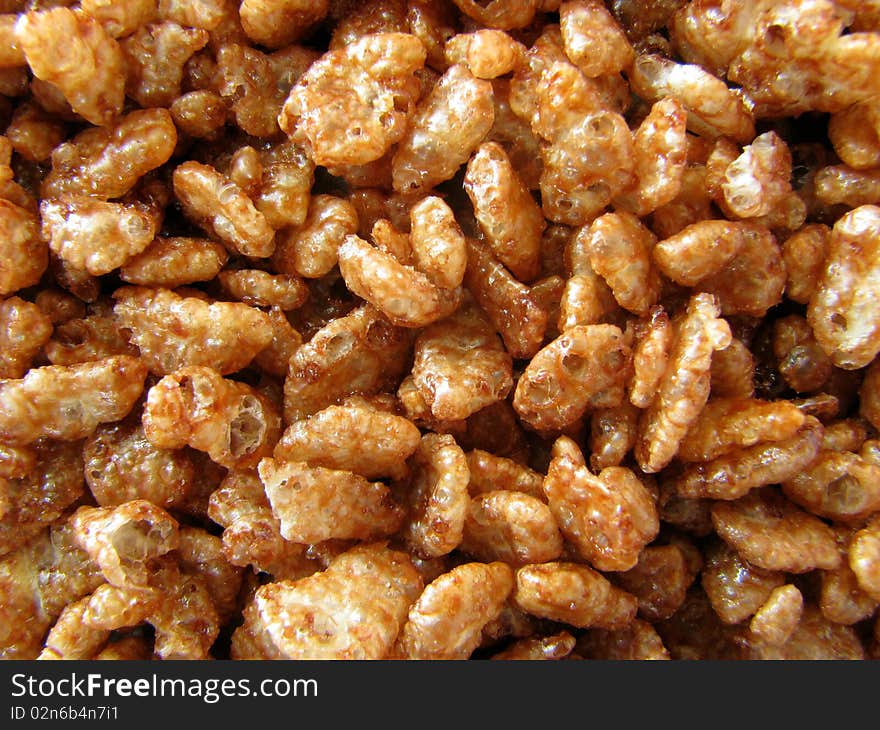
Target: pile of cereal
[440,329]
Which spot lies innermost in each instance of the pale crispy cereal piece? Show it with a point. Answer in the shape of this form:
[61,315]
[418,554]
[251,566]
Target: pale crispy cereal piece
[864,558]
[16,462]
[659,580]
[638,641]
[593,39]
[24,329]
[855,134]
[815,638]
[573,594]
[447,126]
[126,540]
[801,361]
[195,406]
[843,312]
[841,185]
[69,402]
[654,339]
[512,527]
[175,261]
[285,184]
[346,128]
[310,249]
[447,620]
[201,553]
[713,109]
[205,14]
[775,621]
[73,52]
[841,599]
[261,289]
[436,496]
[584,368]
[11,56]
[404,295]
[555,647]
[869,395]
[376,442]
[757,181]
[489,473]
[700,250]
[620,252]
[201,113]
[94,337]
[486,53]
[684,387]
[438,246]
[509,304]
[94,235]
[613,434]
[276,24]
[712,34]
[392,241]
[70,638]
[772,533]
[107,162]
[34,133]
[360,353]
[353,610]
[692,204]
[24,256]
[59,306]
[460,365]
[121,18]
[733,371]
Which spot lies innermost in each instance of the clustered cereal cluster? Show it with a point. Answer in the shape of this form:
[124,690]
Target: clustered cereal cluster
[440,329]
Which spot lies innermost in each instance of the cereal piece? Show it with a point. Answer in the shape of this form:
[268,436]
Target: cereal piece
[608,518]
[24,329]
[447,126]
[437,496]
[205,14]
[772,533]
[650,357]
[757,181]
[434,24]
[486,53]
[59,306]
[586,27]
[34,133]
[200,113]
[489,473]
[201,553]
[24,256]
[855,134]
[15,462]
[357,19]
[573,594]
[509,304]
[815,638]
[358,353]
[438,246]
[126,540]
[801,361]
[841,185]
[692,204]
[73,52]
[194,406]
[620,252]
[638,641]
[555,647]
[733,371]
[353,610]
[841,600]
[175,261]
[121,18]
[848,434]
[613,433]
[376,443]
[684,387]
[844,316]
[69,402]
[346,128]
[310,249]
[447,619]
[501,14]
[584,368]
[70,638]
[700,250]
[659,580]
[93,235]
[107,162]
[277,24]
[285,185]
[775,621]
[93,337]
[392,241]
[261,289]
[869,402]
[275,357]
[128,648]
[512,527]
[864,557]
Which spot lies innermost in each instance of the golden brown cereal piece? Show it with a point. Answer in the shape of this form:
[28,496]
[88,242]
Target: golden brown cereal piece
[69,402]
[844,314]
[593,39]
[11,56]
[205,14]
[712,35]
[360,353]
[841,185]
[460,365]
[489,473]
[345,128]
[486,53]
[638,641]
[59,306]
[733,371]
[94,235]
[801,361]
[447,126]
[275,357]
[772,533]
[436,496]
[357,19]
[684,387]
[584,368]
[315,504]
[404,295]
[172,332]
[512,527]
[613,433]
[175,261]
[353,610]
[848,434]
[555,647]
[73,52]
[200,113]
[194,406]
[121,18]
[24,329]
[126,540]
[692,204]
[376,443]
[392,241]
[24,256]
[277,24]
[501,14]
[261,289]
[438,246]
[434,24]
[127,648]
[775,621]
[864,558]
[93,337]
[654,339]
[841,600]
[700,250]
[736,588]
[855,134]
[15,462]
[201,553]
[80,283]
[34,133]
[659,580]
[869,395]
[757,181]
[71,638]
[515,135]
[573,594]
[620,252]
[310,250]
[713,109]
[815,638]
[447,620]
[284,185]
[510,306]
